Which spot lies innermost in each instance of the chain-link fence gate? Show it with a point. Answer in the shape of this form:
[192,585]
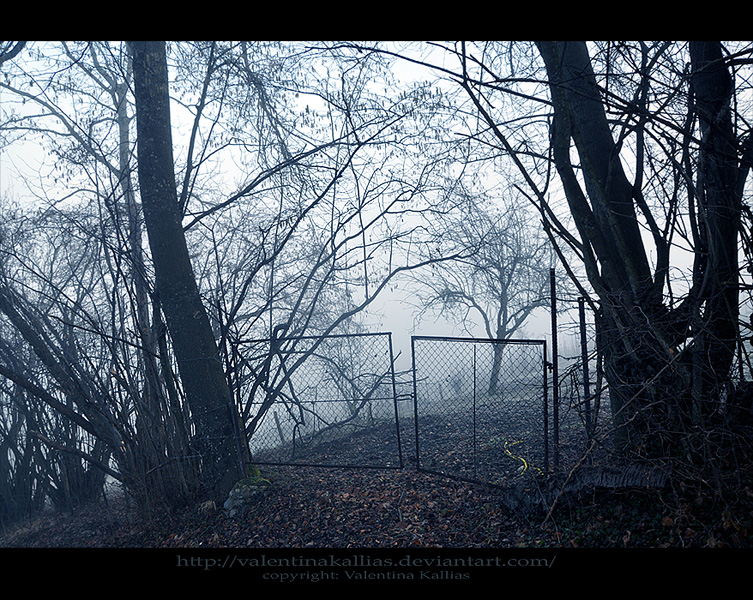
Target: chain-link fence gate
[322,401]
[481,407]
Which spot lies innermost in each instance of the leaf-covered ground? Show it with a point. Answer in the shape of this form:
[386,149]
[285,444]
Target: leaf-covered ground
[308,507]
[356,508]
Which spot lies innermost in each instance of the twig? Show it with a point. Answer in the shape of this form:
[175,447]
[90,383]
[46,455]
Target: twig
[567,480]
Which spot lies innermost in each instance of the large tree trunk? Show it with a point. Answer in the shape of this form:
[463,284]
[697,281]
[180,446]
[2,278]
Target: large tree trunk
[719,194]
[653,382]
[195,348]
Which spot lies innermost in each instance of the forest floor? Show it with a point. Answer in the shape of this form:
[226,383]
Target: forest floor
[350,508]
[309,507]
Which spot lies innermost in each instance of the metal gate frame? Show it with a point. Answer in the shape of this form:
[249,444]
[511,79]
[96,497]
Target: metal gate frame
[298,356]
[544,400]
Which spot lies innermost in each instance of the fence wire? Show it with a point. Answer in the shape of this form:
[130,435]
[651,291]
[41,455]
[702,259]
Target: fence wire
[322,401]
[481,407]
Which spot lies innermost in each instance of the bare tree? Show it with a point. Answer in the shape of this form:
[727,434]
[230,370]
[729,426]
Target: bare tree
[637,146]
[502,277]
[654,373]
[312,240]
[90,260]
[193,340]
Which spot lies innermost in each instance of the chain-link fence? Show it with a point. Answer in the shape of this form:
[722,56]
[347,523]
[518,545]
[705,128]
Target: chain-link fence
[583,413]
[323,401]
[481,411]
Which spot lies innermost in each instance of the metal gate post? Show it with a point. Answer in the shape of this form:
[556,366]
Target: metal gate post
[555,370]
[584,358]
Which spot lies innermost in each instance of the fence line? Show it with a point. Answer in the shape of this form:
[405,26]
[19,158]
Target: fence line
[322,401]
[481,407]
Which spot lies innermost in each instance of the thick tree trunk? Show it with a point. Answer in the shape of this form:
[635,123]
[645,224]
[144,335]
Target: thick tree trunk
[193,340]
[653,385]
[719,196]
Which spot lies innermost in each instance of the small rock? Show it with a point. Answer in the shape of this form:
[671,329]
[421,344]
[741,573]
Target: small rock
[244,493]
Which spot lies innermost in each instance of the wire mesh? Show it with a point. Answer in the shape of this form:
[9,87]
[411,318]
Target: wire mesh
[323,401]
[480,407]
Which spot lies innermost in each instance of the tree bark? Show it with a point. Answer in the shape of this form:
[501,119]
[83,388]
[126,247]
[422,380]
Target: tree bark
[651,378]
[720,202]
[194,345]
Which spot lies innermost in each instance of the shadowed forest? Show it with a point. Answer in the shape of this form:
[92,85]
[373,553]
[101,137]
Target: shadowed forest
[202,245]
